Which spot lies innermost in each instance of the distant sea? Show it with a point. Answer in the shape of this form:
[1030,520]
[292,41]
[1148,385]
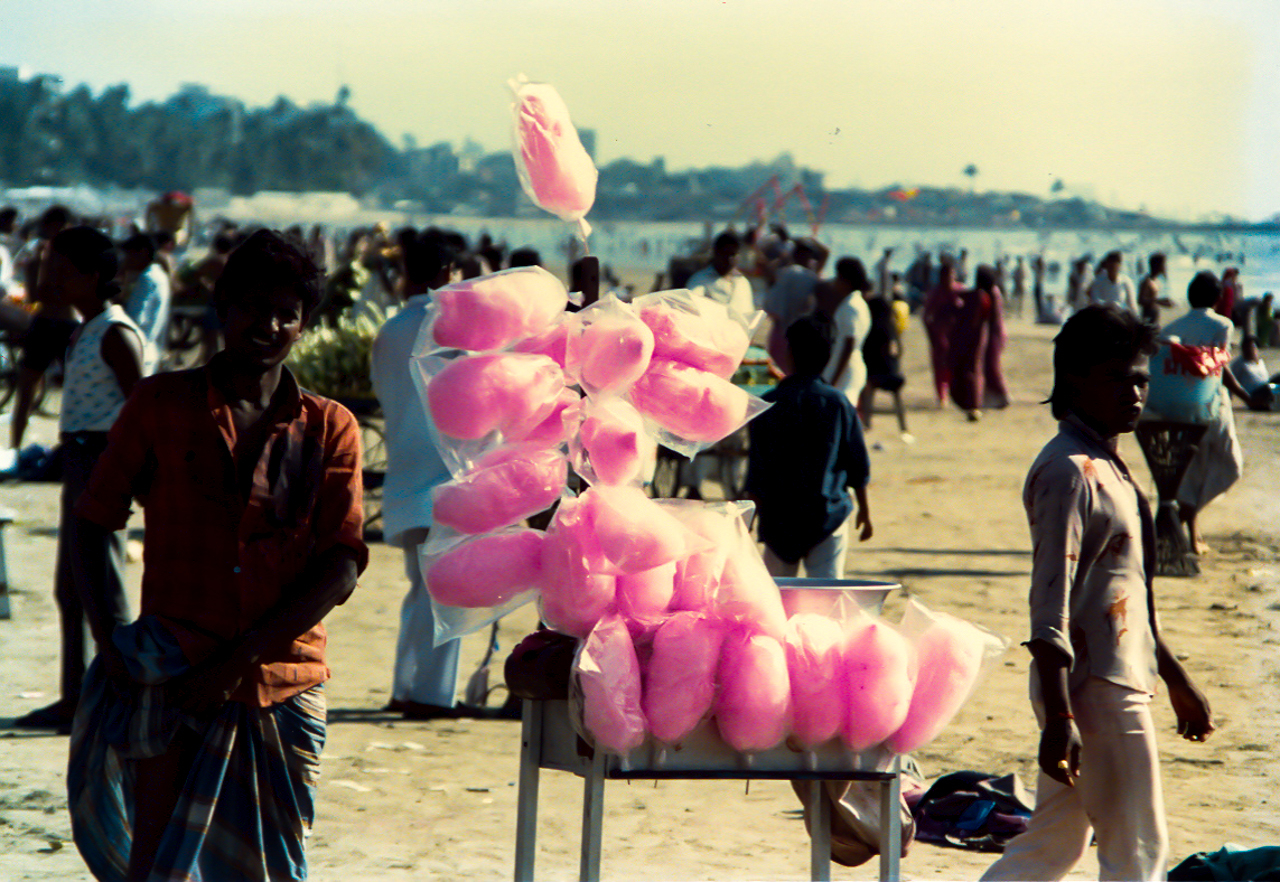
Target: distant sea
[647,247]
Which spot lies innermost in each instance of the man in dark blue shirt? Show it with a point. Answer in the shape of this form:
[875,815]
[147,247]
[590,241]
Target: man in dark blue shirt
[805,452]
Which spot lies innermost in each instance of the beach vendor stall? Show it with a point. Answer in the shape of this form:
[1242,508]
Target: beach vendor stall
[687,659]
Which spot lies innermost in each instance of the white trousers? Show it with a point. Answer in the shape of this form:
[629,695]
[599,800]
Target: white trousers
[1118,796]
[424,673]
[824,561]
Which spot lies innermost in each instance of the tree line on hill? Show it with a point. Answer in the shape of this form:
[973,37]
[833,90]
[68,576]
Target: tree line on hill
[196,139]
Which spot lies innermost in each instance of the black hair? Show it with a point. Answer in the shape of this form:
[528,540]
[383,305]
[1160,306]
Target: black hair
[55,216]
[90,252]
[1204,290]
[8,217]
[426,255]
[524,257]
[985,278]
[810,340]
[262,263]
[1095,334]
[141,242]
[725,240]
[853,273]
[1157,259]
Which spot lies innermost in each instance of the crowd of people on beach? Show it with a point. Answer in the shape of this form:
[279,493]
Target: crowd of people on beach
[252,490]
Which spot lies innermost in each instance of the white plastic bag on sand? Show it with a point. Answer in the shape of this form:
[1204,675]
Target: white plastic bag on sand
[951,655]
[613,444]
[495,310]
[815,661]
[608,673]
[506,486]
[680,674]
[753,709]
[576,588]
[555,169]
[880,671]
[695,408]
[695,330]
[609,349]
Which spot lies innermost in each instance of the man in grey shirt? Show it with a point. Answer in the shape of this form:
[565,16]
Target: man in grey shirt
[1095,642]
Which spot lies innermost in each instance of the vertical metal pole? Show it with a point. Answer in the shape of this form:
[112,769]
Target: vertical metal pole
[819,833]
[592,819]
[527,795]
[6,517]
[891,823]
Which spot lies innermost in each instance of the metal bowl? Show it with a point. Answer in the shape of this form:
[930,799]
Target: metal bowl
[825,596]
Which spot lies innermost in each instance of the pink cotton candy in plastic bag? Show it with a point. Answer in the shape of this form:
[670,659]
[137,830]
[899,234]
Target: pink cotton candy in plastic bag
[509,484]
[611,350]
[692,404]
[488,570]
[511,392]
[698,575]
[680,674]
[747,593]
[643,597]
[880,671]
[554,168]
[950,653]
[492,311]
[703,336]
[815,661]
[560,425]
[576,590]
[551,341]
[753,709]
[609,675]
[634,532]
[617,447]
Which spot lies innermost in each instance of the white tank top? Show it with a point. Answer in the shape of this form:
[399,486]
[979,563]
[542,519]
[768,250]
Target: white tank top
[91,396]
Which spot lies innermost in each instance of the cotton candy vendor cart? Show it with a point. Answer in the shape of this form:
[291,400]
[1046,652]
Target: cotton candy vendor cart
[550,740]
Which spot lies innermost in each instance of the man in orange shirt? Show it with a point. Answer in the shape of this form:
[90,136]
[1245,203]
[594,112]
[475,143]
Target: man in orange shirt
[196,743]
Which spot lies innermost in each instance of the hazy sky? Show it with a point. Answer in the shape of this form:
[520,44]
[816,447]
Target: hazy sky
[1169,104]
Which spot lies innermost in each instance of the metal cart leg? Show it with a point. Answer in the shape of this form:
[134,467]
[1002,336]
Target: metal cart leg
[891,823]
[592,819]
[527,796]
[819,833]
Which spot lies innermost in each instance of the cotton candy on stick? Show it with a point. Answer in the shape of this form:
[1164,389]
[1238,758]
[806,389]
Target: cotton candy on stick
[692,404]
[610,350]
[701,335]
[609,674]
[816,662]
[554,168]
[644,597]
[507,485]
[512,392]
[617,447]
[747,593]
[880,673]
[753,709]
[950,652]
[576,590]
[680,674]
[492,311]
[486,571]
[634,532]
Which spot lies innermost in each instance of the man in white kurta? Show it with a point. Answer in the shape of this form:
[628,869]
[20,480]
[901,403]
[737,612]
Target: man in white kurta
[721,280]
[426,676]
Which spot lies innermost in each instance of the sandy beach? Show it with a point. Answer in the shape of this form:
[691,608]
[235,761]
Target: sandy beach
[402,800]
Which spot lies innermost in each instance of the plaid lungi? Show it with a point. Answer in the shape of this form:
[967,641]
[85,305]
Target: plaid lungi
[248,802]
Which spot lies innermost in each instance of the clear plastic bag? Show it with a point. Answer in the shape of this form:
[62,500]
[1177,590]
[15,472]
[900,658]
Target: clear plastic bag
[505,487]
[495,310]
[694,408]
[555,170]
[952,654]
[613,445]
[696,330]
[609,348]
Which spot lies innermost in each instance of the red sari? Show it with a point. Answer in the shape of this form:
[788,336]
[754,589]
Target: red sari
[977,343]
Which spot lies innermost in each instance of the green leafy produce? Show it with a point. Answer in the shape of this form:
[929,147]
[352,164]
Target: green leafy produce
[335,361]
